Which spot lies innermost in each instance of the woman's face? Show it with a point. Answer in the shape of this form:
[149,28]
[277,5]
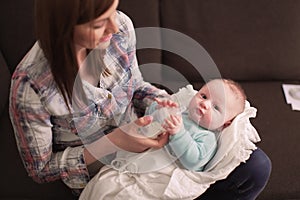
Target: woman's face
[98,32]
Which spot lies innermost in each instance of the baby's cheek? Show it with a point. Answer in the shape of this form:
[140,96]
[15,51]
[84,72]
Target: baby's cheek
[216,122]
[205,123]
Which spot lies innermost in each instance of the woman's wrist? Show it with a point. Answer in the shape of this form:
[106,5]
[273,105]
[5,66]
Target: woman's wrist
[100,148]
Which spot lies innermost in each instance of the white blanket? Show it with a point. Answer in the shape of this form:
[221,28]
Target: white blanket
[235,145]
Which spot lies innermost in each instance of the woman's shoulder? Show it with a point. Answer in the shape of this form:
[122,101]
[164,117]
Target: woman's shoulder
[34,69]
[124,22]
[126,34]
[125,38]
[34,64]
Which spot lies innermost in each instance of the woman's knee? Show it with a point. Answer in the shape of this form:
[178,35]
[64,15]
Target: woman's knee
[250,178]
[259,168]
[245,182]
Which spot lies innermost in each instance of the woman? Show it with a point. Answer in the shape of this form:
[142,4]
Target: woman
[43,111]
[67,100]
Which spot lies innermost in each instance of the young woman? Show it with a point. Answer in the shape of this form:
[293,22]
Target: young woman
[75,87]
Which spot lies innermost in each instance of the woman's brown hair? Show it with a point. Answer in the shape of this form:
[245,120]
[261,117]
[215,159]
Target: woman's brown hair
[55,21]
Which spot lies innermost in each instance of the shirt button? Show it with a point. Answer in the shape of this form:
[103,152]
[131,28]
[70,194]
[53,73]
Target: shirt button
[109,96]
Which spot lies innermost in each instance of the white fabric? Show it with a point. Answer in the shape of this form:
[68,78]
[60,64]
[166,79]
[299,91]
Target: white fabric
[150,161]
[235,145]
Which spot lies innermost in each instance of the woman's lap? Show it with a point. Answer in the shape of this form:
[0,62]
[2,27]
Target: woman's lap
[245,182]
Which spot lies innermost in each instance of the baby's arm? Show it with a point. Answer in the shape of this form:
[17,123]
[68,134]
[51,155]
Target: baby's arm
[193,148]
[173,124]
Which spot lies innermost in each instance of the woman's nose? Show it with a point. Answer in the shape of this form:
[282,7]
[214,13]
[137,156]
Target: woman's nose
[112,26]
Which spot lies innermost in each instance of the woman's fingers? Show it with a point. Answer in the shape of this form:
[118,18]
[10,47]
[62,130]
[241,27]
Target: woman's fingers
[130,138]
[143,121]
[161,140]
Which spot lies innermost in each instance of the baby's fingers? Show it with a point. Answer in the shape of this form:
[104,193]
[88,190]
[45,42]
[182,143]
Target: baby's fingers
[176,119]
[166,102]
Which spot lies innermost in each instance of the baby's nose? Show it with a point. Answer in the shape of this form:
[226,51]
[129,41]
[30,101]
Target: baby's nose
[205,104]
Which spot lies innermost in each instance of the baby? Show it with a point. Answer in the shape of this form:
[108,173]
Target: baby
[192,144]
[192,132]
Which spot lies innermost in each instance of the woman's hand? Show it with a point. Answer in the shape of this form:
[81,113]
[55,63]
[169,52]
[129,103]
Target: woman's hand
[126,138]
[129,138]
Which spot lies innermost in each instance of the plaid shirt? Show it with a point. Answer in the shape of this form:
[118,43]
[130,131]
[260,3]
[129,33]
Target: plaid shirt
[49,138]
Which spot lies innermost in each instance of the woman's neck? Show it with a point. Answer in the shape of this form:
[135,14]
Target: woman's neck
[81,55]
[84,69]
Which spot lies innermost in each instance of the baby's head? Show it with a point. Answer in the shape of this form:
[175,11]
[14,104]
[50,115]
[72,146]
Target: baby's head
[217,103]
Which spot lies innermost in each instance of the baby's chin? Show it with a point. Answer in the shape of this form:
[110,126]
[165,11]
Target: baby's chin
[197,119]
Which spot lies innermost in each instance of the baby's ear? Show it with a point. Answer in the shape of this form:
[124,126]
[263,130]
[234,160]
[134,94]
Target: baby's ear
[227,124]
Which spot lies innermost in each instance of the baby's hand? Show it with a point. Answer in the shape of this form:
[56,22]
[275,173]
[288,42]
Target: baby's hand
[166,103]
[173,124]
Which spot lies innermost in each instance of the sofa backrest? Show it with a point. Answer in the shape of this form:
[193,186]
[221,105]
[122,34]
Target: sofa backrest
[17,32]
[5,83]
[248,40]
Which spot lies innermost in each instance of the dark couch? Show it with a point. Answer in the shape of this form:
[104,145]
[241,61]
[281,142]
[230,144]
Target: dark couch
[256,43]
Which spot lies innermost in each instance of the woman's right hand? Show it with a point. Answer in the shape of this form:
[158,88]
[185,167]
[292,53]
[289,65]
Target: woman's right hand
[126,138]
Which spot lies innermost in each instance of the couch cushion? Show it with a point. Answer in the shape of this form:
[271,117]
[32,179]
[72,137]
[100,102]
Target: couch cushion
[16,183]
[278,126]
[5,83]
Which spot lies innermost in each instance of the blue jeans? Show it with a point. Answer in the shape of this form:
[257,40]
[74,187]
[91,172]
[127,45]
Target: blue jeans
[245,182]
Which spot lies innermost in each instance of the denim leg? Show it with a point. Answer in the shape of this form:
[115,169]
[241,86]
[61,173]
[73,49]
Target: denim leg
[245,183]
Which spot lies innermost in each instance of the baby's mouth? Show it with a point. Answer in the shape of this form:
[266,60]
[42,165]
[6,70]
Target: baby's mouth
[199,112]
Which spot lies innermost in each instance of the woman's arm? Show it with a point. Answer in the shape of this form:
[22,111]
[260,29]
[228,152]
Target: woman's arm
[33,132]
[125,138]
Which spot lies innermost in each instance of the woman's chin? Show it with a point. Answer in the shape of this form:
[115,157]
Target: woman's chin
[103,45]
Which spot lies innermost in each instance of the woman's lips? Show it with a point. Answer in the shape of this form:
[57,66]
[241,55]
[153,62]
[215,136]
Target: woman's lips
[106,38]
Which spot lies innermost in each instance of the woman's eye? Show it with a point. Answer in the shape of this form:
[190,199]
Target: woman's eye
[99,25]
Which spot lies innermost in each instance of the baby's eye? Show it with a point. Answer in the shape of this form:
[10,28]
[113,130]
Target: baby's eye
[216,107]
[203,96]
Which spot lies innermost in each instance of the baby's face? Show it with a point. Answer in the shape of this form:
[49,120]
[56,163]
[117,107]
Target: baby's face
[213,105]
